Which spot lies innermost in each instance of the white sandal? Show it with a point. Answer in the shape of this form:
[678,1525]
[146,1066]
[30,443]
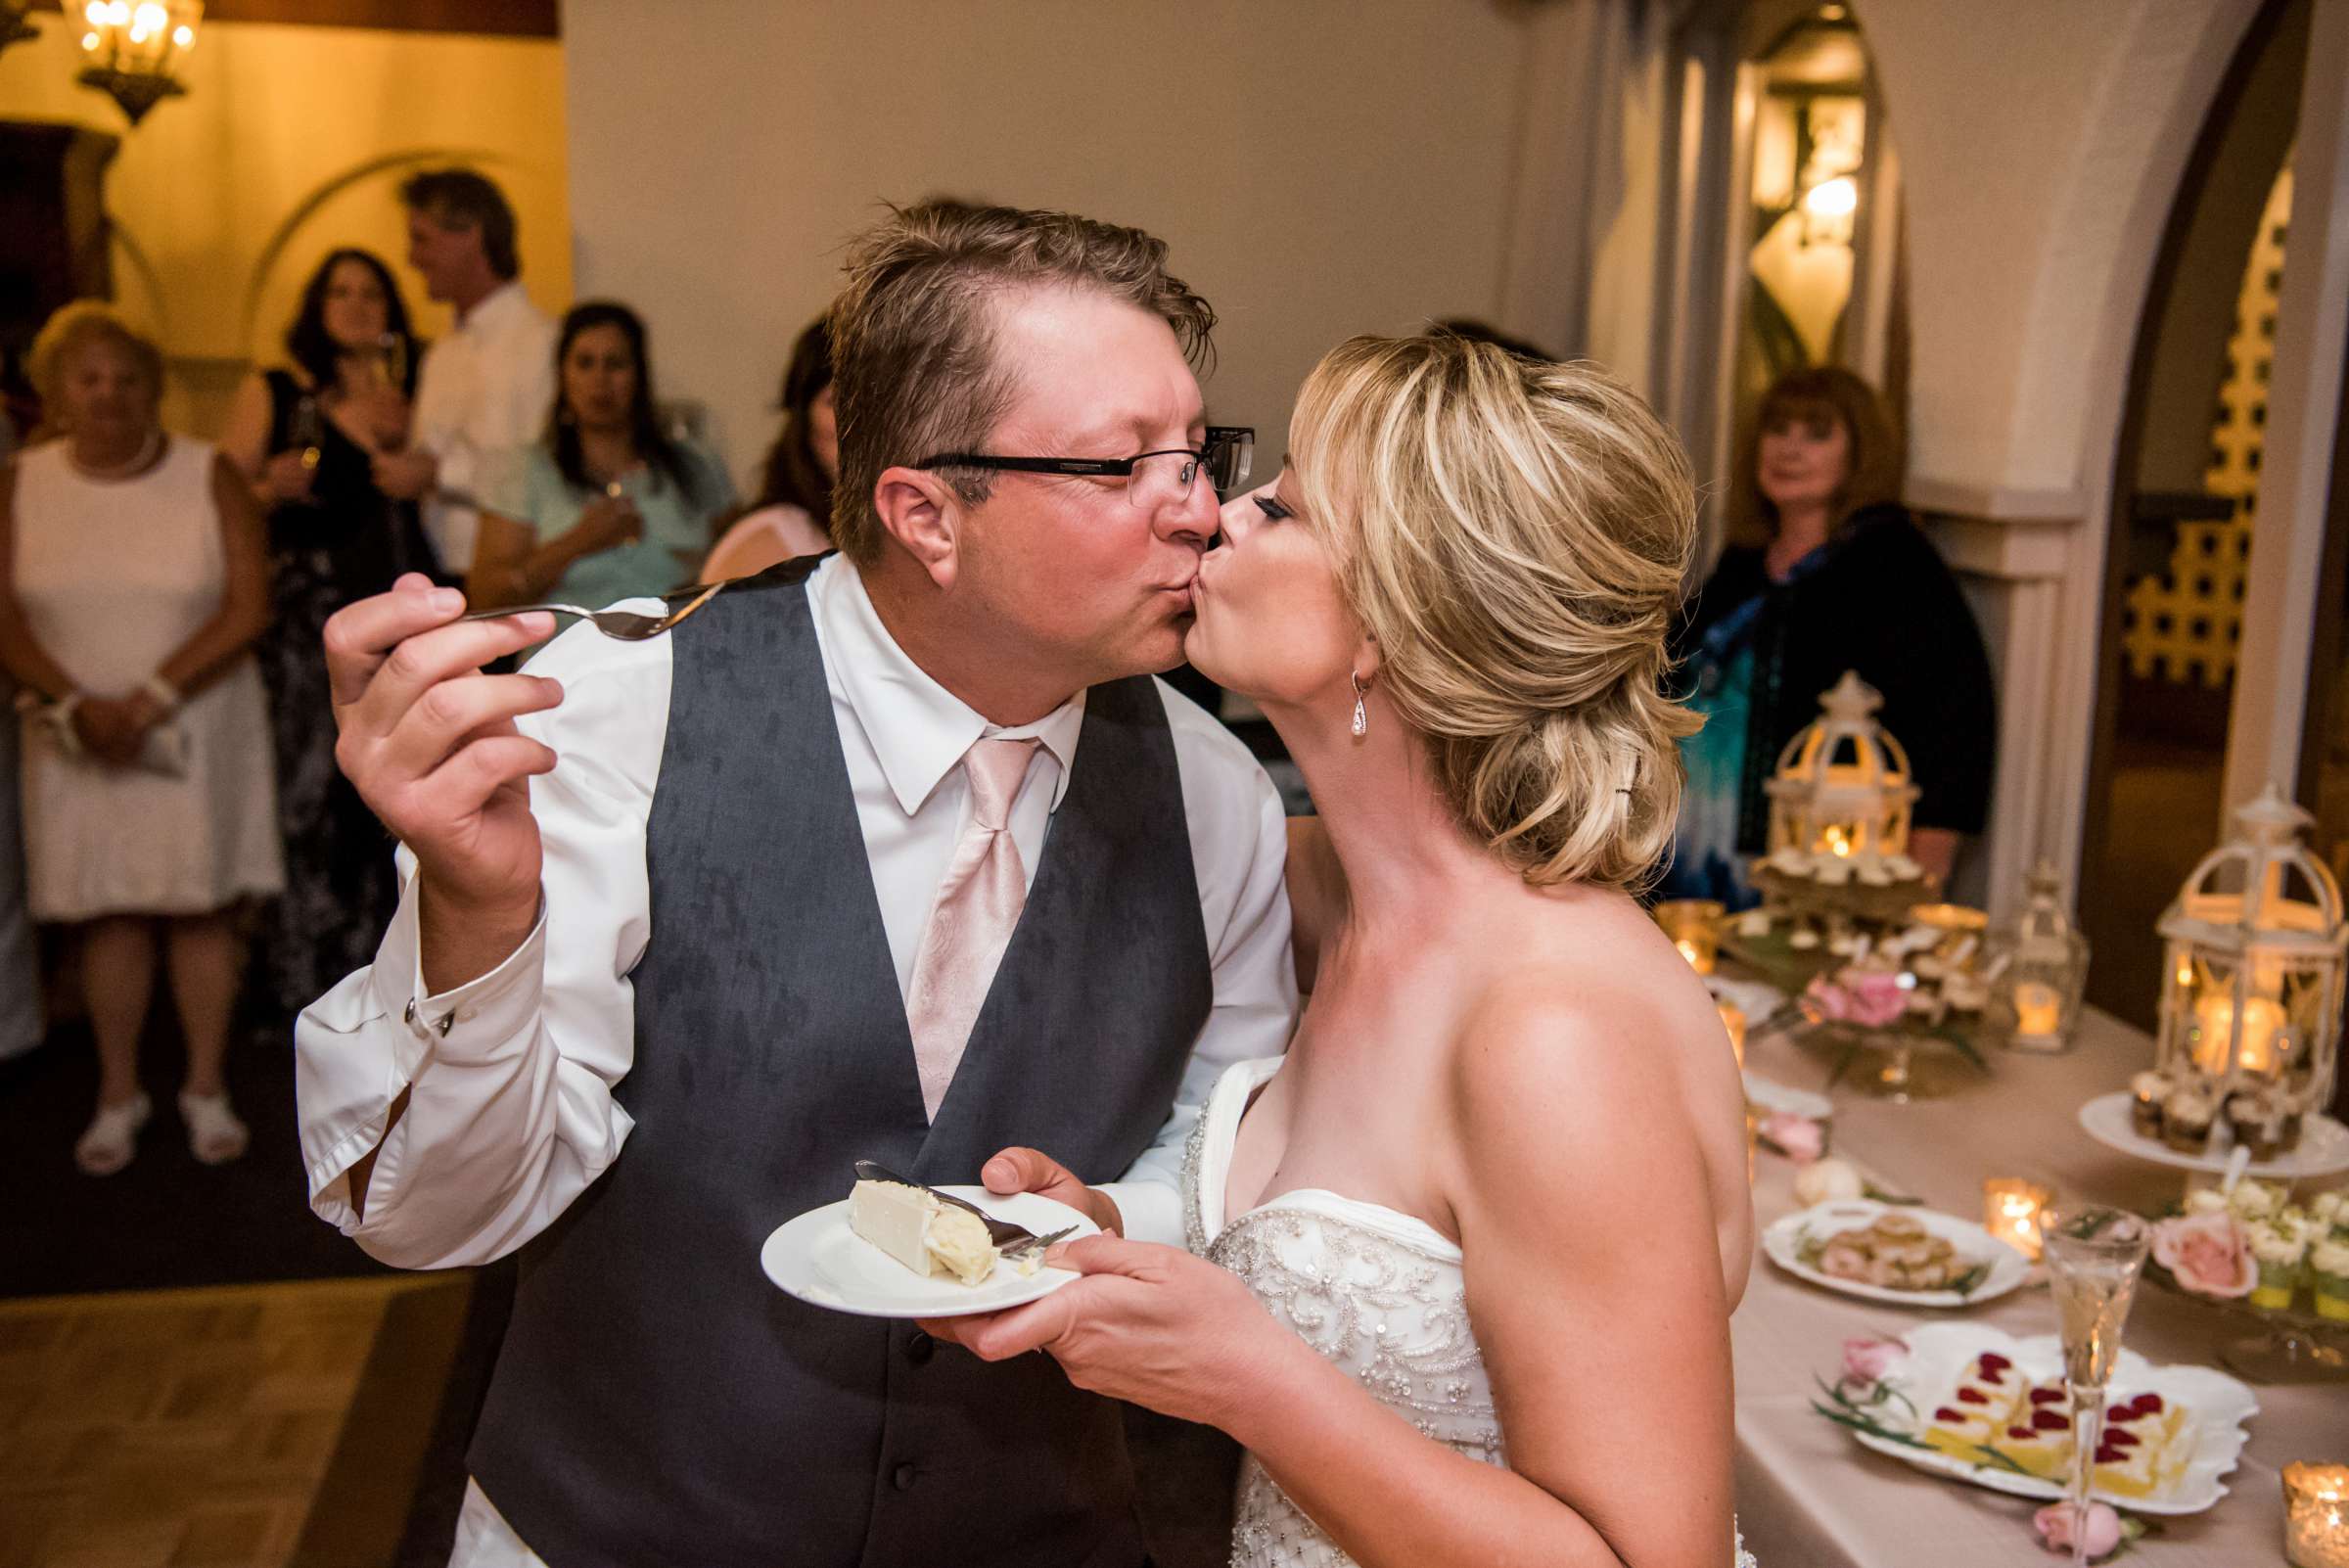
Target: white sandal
[214,1134]
[112,1137]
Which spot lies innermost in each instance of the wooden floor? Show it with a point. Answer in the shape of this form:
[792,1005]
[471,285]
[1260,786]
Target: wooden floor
[269,1426]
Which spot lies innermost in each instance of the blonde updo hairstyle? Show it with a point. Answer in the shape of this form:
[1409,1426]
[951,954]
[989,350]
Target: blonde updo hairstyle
[1515,534]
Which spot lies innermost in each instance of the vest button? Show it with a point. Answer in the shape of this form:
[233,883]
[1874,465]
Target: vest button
[919,1348]
[903,1477]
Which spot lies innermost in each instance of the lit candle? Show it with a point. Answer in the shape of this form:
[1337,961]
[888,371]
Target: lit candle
[2038,1010]
[1694,926]
[2263,1022]
[2011,1210]
[1836,840]
[1733,1019]
[2316,1515]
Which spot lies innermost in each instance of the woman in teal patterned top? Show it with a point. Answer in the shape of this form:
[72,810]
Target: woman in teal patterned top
[608,506]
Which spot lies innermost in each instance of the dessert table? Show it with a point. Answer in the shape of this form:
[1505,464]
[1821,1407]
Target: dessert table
[1809,1495]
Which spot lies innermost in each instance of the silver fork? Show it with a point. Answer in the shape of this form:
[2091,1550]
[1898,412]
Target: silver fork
[625,625]
[1009,1239]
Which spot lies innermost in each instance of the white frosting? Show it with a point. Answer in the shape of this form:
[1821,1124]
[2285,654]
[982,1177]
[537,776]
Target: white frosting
[2278,1244]
[2256,1200]
[894,1217]
[921,1232]
[2332,1257]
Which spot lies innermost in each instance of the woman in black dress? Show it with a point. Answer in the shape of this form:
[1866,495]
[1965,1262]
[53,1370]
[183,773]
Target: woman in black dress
[308,436]
[1831,575]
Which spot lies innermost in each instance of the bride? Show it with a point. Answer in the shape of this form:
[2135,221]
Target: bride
[1466,1256]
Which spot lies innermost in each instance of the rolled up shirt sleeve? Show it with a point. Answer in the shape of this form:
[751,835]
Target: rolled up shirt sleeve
[509,1076]
[1239,850]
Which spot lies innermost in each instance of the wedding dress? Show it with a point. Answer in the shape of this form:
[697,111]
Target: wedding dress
[1379,1293]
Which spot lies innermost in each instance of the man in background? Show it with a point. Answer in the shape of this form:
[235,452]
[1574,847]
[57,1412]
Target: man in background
[486,386]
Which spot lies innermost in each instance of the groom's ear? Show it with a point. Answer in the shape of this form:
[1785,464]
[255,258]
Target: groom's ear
[924,515]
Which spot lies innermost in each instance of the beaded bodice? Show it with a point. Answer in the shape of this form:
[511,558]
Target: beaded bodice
[1378,1293]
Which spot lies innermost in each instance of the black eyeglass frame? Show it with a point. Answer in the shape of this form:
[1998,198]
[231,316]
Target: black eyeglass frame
[1201,456]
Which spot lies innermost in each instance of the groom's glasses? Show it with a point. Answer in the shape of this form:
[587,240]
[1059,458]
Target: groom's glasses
[1152,479]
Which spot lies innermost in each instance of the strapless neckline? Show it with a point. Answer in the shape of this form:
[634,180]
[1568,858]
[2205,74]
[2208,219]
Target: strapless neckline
[1219,1128]
[1378,1293]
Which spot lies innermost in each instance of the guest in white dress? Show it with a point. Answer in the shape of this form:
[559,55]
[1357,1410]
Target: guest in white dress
[1481,1232]
[133,579]
[792,514]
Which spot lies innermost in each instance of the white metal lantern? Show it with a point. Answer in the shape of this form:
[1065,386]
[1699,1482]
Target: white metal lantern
[2251,990]
[1843,787]
[2042,960]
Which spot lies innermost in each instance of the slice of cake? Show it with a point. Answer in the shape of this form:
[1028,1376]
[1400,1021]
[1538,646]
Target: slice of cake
[2038,1436]
[1980,1409]
[924,1234]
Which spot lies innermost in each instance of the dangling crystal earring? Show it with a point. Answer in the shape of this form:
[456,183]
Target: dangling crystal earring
[1361,715]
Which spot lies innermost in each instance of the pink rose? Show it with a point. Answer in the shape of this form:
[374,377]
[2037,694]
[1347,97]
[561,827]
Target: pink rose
[2208,1252]
[1798,1136]
[1867,1362]
[1868,998]
[2055,1526]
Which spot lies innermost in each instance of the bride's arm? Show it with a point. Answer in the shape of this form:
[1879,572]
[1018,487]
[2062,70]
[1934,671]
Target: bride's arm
[1596,1294]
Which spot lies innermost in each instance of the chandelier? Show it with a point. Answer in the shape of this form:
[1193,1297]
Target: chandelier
[134,46]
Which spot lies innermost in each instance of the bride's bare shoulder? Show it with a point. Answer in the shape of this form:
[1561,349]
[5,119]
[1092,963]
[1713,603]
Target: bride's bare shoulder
[1589,1005]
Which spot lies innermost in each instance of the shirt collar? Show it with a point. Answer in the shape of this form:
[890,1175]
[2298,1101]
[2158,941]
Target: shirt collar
[928,727]
[507,301]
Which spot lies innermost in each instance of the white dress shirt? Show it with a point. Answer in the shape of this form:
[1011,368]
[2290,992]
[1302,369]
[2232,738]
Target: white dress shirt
[510,1113]
[482,391]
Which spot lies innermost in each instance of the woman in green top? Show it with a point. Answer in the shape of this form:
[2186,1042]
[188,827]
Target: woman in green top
[608,506]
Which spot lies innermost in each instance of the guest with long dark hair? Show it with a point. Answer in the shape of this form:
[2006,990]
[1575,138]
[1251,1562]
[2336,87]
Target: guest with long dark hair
[308,436]
[608,506]
[792,514]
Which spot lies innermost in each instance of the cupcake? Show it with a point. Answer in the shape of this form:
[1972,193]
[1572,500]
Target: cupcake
[2329,1210]
[2146,1091]
[2256,1200]
[2281,1249]
[2185,1120]
[2258,1124]
[2329,1266]
[2290,1139]
[2207,1200]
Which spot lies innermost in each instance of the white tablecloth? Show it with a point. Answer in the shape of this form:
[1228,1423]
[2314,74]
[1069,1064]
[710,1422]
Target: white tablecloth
[1810,1496]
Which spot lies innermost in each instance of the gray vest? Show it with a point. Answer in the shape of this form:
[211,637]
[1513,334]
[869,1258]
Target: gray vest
[657,1400]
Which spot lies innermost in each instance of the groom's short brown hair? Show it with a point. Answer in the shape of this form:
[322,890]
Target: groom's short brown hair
[913,353]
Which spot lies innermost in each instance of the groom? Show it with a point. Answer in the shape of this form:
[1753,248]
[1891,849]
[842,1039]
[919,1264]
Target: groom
[897,856]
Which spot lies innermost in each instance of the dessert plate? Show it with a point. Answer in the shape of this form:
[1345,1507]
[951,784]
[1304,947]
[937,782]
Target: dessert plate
[818,1259]
[2219,1405]
[2324,1143]
[1783,1244]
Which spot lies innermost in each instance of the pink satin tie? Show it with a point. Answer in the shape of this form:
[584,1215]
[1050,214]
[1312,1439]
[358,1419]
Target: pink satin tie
[979,901]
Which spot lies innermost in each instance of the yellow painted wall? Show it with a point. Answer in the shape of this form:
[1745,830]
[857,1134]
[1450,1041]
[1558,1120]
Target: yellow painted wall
[277,118]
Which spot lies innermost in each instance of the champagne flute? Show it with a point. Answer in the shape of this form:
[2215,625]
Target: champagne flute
[392,353]
[2093,1255]
[307,430]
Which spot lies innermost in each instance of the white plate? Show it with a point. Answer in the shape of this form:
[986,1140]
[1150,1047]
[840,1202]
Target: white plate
[818,1259]
[1769,1094]
[2324,1143]
[1939,1352]
[1783,1244]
